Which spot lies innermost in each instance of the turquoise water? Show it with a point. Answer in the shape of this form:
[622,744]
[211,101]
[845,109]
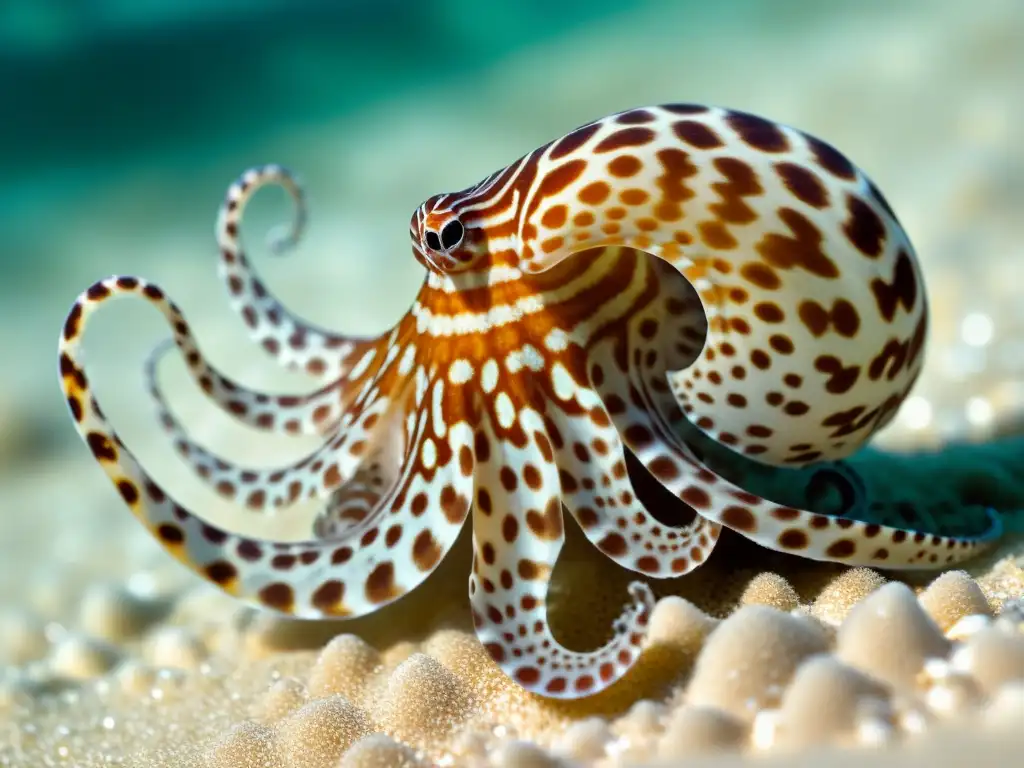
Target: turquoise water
[93,87]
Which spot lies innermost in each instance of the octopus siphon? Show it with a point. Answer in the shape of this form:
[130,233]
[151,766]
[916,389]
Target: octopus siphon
[552,352]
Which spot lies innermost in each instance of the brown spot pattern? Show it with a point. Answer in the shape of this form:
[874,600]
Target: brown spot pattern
[278,595]
[900,291]
[328,596]
[696,134]
[804,184]
[757,132]
[864,228]
[380,584]
[740,519]
[573,141]
[801,249]
[546,526]
[841,378]
[425,551]
[627,137]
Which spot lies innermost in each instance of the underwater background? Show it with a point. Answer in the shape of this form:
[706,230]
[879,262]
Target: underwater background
[122,122]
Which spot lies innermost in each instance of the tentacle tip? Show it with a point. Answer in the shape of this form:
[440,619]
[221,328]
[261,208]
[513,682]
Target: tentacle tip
[642,605]
[641,592]
[281,239]
[996,526]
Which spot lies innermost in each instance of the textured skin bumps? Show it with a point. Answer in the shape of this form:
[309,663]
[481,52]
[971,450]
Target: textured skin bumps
[522,383]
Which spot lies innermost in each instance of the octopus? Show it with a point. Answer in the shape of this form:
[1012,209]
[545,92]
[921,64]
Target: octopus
[669,293]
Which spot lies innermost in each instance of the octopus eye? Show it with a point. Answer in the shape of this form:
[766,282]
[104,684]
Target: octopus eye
[433,241]
[451,234]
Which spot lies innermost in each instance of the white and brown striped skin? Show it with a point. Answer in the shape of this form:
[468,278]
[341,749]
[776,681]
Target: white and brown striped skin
[520,380]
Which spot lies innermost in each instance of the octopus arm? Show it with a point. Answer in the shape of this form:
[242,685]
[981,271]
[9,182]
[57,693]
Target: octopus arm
[314,476]
[292,341]
[785,528]
[596,486]
[651,416]
[369,565]
[517,536]
[313,413]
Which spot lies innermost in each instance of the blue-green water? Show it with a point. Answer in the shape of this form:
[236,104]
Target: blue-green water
[91,87]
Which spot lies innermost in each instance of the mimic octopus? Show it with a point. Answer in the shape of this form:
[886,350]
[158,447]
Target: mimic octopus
[522,383]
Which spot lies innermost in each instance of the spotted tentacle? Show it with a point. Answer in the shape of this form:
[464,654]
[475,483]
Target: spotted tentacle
[317,475]
[314,476]
[776,526]
[344,506]
[294,342]
[313,413]
[517,535]
[669,335]
[657,343]
[352,502]
[597,488]
[370,564]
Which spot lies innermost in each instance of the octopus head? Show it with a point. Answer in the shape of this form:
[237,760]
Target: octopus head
[440,239]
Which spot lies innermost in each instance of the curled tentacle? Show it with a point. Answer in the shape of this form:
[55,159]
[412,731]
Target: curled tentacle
[294,342]
[597,488]
[369,565]
[346,505]
[783,528]
[668,336]
[517,535]
[779,527]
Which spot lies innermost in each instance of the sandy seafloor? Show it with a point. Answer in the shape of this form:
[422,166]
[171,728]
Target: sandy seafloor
[114,655]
